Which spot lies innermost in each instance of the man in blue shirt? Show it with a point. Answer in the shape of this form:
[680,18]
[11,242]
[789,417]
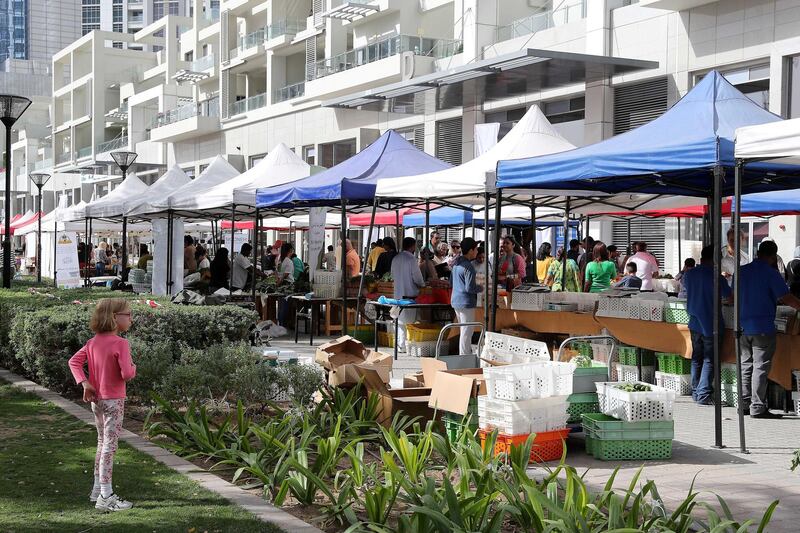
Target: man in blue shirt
[760,290]
[699,283]
[464,297]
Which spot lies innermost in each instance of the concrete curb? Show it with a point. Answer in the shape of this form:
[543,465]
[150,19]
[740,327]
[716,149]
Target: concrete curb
[257,506]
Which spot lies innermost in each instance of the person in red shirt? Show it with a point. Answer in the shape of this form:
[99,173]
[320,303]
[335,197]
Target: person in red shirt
[108,358]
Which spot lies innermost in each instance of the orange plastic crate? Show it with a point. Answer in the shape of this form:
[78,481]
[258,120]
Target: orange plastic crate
[547,445]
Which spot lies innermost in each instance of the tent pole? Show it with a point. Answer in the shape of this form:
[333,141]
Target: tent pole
[369,239]
[534,275]
[55,252]
[256,236]
[233,242]
[586,234]
[344,266]
[566,247]
[630,244]
[397,227]
[427,238]
[717,330]
[737,329]
[486,256]
[680,255]
[89,239]
[170,246]
[472,225]
[496,249]
[124,243]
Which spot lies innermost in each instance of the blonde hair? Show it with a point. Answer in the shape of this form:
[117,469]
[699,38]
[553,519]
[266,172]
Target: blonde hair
[104,317]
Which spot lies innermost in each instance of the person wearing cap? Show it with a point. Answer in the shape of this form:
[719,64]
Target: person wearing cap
[464,298]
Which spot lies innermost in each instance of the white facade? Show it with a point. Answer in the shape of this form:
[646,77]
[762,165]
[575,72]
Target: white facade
[239,78]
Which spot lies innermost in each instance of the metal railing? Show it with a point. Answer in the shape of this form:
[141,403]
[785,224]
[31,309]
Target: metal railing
[113,144]
[542,21]
[206,108]
[290,91]
[211,14]
[388,47]
[86,151]
[63,158]
[203,63]
[285,27]
[248,104]
[252,39]
[136,19]
[43,164]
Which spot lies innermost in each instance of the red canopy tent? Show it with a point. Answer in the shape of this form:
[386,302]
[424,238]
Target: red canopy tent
[694,211]
[15,225]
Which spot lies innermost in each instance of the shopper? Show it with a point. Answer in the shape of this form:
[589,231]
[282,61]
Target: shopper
[630,280]
[455,253]
[144,257]
[407,283]
[586,257]
[600,271]
[728,258]
[384,263]
[512,266]
[793,273]
[374,254]
[285,264]
[699,284]
[108,358]
[574,250]
[688,264]
[440,254]
[352,261]
[615,257]
[433,244]
[220,270]
[555,274]
[189,262]
[426,266]
[543,260]
[761,288]
[464,298]
[268,260]
[646,265]
[244,272]
[329,259]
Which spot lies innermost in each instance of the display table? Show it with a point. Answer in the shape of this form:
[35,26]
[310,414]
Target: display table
[383,317]
[562,322]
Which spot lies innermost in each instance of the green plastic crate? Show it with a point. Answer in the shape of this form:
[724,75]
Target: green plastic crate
[453,427]
[581,403]
[729,395]
[584,378]
[628,450]
[604,427]
[676,313]
[364,333]
[673,363]
[728,373]
[629,355]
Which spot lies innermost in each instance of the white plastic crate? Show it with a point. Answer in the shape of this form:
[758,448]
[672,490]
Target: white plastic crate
[650,309]
[634,309]
[603,306]
[513,350]
[796,402]
[324,277]
[796,374]
[630,373]
[423,348]
[141,288]
[529,380]
[601,351]
[522,417]
[655,404]
[529,301]
[680,383]
[327,291]
[619,307]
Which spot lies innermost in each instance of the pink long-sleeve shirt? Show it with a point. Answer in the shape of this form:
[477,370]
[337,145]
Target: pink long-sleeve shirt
[110,365]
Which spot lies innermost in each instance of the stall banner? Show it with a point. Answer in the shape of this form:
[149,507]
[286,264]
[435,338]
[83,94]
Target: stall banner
[486,136]
[68,271]
[239,238]
[316,237]
[160,232]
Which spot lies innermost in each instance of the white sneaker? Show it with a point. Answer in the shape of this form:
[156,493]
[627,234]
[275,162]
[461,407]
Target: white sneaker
[95,494]
[112,504]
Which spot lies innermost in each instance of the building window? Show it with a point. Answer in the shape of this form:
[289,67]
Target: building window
[448,140]
[415,135]
[189,171]
[188,56]
[331,154]
[793,87]
[310,154]
[116,13]
[256,159]
[753,81]
[565,110]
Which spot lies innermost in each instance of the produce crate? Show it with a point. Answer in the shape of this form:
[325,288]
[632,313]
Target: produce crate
[385,288]
[522,417]
[527,381]
[730,394]
[386,338]
[141,288]
[628,450]
[326,277]
[673,363]
[655,404]
[680,383]
[604,427]
[584,378]
[423,348]
[627,354]
[364,333]
[796,402]
[583,348]
[422,332]
[327,291]
[547,446]
[675,312]
[728,373]
[513,350]
[630,373]
[453,427]
[581,403]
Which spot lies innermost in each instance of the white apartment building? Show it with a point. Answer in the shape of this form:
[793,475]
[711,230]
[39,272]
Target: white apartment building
[327,77]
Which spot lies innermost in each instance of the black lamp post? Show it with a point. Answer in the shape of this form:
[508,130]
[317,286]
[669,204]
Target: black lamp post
[11,108]
[124,160]
[39,179]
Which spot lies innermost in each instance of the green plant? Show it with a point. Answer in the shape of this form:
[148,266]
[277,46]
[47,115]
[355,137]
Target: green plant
[191,433]
[795,460]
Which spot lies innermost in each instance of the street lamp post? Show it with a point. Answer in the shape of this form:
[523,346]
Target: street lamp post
[124,160]
[39,179]
[11,108]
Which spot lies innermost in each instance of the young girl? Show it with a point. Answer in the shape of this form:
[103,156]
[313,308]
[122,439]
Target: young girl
[110,366]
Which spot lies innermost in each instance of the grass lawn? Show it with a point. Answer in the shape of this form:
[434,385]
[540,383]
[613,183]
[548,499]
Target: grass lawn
[46,463]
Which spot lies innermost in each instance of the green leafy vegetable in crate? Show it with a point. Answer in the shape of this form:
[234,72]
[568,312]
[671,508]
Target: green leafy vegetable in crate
[582,361]
[633,387]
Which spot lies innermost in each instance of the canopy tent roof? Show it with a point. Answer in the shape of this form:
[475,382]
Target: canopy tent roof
[772,203]
[21,221]
[113,204]
[79,226]
[532,136]
[332,220]
[183,200]
[353,180]
[674,154]
[382,218]
[779,141]
[171,181]
[281,165]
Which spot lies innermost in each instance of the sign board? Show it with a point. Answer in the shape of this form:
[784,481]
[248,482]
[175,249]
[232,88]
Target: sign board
[68,271]
[239,238]
[316,237]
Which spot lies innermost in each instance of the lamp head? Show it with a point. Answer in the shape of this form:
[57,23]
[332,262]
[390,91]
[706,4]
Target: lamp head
[39,178]
[124,159]
[12,107]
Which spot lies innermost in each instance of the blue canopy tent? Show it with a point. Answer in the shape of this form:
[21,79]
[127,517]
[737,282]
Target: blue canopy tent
[451,216]
[685,152]
[772,203]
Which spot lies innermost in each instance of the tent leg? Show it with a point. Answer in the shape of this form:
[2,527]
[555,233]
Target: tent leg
[737,329]
[630,244]
[566,247]
[472,225]
[256,236]
[397,229]
[680,254]
[89,240]
[344,267]
[534,275]
[427,238]
[497,220]
[717,329]
[486,290]
[170,246]
[124,244]
[233,242]
[369,239]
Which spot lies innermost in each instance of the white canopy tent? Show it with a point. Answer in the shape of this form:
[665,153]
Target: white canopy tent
[778,141]
[50,219]
[112,204]
[170,182]
[186,198]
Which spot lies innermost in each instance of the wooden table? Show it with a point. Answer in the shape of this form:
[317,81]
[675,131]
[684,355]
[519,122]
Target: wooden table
[383,316]
[560,322]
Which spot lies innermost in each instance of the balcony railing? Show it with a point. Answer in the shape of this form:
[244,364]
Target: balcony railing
[113,144]
[211,14]
[43,164]
[206,108]
[84,152]
[203,63]
[248,104]
[136,19]
[388,47]
[285,27]
[295,90]
[252,39]
[63,158]
[542,21]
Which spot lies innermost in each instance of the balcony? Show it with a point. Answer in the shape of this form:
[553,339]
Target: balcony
[251,40]
[203,63]
[84,152]
[113,144]
[136,20]
[63,158]
[542,21]
[43,164]
[248,104]
[190,120]
[385,48]
[289,92]
[211,15]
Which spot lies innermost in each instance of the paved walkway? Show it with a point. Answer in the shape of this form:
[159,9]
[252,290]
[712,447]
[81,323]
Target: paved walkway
[748,482]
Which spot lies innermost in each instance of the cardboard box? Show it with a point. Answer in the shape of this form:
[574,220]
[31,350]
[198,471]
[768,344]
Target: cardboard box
[340,351]
[451,390]
[340,357]
[417,379]
[412,402]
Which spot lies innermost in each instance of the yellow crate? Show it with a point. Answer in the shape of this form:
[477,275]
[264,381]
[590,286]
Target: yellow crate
[423,332]
[386,338]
